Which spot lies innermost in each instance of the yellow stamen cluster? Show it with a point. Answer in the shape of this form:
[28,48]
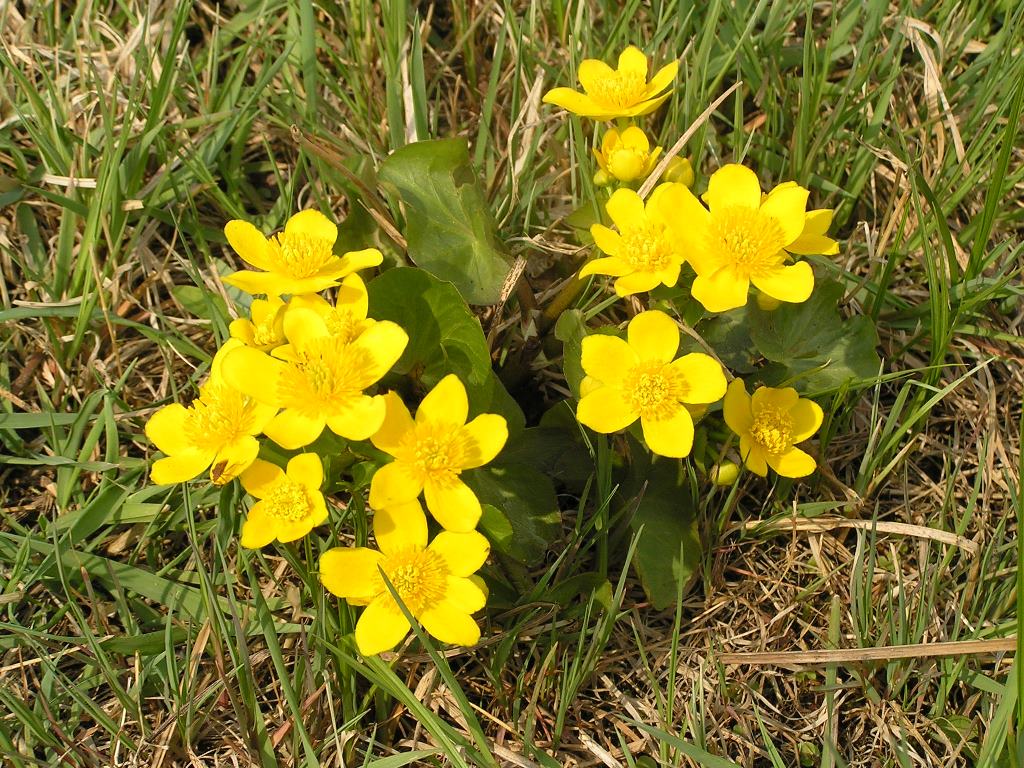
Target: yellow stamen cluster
[299,255]
[653,391]
[645,248]
[418,577]
[772,429]
[220,415]
[746,240]
[289,501]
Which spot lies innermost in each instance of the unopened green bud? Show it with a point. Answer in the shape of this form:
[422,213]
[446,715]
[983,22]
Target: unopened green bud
[680,171]
[602,178]
[766,302]
[724,474]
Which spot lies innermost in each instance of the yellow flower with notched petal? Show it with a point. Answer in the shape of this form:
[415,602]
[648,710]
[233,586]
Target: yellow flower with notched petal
[612,93]
[436,582]
[299,260]
[769,424]
[290,502]
[648,248]
[318,378]
[639,378]
[627,155]
[218,429]
[346,319]
[432,451]
[745,239]
[265,329]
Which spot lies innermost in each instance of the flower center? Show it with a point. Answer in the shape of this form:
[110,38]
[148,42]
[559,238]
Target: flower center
[772,430]
[299,255]
[435,449]
[619,89]
[646,249]
[746,240]
[418,576]
[342,324]
[289,501]
[324,372]
[219,416]
[654,390]
[268,333]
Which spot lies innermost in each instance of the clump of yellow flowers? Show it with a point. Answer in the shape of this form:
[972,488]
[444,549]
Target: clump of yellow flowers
[310,373]
[738,237]
[302,364]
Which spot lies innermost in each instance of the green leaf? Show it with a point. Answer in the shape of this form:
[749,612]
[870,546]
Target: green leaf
[815,348]
[668,551]
[554,450]
[521,516]
[570,329]
[449,228]
[728,334]
[444,337]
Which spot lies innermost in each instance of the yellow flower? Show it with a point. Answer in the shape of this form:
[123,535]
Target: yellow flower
[638,378]
[435,581]
[318,379]
[813,241]
[745,239]
[769,424]
[648,248]
[266,328]
[621,92]
[432,451]
[218,428]
[290,502]
[627,155]
[299,260]
[680,171]
[347,318]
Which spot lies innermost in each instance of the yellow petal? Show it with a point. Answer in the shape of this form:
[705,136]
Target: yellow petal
[792,463]
[400,527]
[248,242]
[813,245]
[605,410]
[313,224]
[575,102]
[632,59]
[483,438]
[351,572]
[307,470]
[731,186]
[788,206]
[352,294]
[396,425]
[753,456]
[261,477]
[807,417]
[612,265]
[353,261]
[303,325]
[607,358]
[243,330]
[608,240]
[627,166]
[721,290]
[259,528]
[592,73]
[180,467]
[589,384]
[166,429]
[780,399]
[736,408]
[672,437]
[381,627]
[643,107]
[635,138]
[450,625]
[464,595]
[254,373]
[446,403]
[793,283]
[452,503]
[292,429]
[663,78]
[653,336]
[358,417]
[675,206]
[394,483]
[293,530]
[626,209]
[233,459]
[818,221]
[269,283]
[464,553]
[637,282]
[705,381]
[384,343]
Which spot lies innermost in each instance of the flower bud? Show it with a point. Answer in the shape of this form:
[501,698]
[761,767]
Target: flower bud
[602,178]
[679,171]
[724,474]
[767,303]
